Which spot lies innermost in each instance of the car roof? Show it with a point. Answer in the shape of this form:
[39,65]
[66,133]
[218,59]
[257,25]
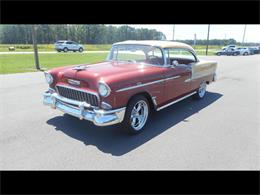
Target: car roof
[162,44]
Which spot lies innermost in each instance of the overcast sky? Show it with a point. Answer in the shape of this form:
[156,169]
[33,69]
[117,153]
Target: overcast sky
[216,31]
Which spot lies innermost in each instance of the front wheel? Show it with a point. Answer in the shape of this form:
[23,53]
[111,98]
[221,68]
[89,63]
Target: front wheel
[136,116]
[80,49]
[201,91]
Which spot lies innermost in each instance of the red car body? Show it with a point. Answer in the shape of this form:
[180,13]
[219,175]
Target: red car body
[161,85]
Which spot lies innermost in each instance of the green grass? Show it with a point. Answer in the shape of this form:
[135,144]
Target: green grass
[50,47]
[88,47]
[17,63]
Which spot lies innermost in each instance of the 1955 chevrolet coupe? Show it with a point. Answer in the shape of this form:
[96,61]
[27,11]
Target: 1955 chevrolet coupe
[137,78]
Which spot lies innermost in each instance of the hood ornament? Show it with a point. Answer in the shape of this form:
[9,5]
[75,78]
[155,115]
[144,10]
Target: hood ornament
[80,67]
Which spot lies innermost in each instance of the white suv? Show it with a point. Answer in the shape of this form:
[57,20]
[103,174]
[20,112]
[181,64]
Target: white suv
[68,46]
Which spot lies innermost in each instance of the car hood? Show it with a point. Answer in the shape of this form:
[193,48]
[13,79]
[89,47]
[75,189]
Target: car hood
[111,72]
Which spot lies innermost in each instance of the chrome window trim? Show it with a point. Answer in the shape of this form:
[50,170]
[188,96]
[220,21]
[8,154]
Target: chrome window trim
[109,56]
[192,52]
[175,101]
[74,88]
[146,84]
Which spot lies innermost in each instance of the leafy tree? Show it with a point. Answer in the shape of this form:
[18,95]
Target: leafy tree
[91,34]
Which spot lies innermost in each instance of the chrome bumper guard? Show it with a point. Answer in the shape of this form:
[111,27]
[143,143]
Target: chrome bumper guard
[80,109]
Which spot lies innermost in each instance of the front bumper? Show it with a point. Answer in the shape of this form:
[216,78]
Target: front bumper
[82,110]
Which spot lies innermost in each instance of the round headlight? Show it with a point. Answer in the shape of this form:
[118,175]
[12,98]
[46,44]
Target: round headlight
[103,89]
[48,77]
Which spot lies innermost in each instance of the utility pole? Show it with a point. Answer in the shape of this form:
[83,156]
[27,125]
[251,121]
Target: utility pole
[195,39]
[173,32]
[244,35]
[35,48]
[207,40]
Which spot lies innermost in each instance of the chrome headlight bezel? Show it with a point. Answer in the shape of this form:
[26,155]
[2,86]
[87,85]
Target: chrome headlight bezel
[48,78]
[103,89]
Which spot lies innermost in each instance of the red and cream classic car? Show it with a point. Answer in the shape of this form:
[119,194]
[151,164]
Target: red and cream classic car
[137,78]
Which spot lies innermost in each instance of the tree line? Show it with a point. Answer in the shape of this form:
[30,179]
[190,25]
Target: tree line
[85,34]
[91,34]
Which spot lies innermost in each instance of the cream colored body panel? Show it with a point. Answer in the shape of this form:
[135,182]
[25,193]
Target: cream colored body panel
[203,68]
[161,44]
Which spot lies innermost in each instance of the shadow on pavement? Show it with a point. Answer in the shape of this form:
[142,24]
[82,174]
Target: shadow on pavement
[114,141]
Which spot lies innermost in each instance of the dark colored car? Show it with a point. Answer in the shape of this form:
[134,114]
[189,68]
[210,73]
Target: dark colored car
[253,50]
[228,52]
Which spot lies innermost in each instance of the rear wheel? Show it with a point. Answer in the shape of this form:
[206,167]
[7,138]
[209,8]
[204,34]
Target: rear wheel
[218,54]
[136,116]
[65,49]
[201,91]
[245,54]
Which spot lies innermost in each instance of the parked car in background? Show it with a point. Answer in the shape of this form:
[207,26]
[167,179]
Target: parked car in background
[68,46]
[228,51]
[244,51]
[137,78]
[254,50]
[229,46]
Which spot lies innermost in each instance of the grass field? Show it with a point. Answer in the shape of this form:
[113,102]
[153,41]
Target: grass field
[50,47]
[17,63]
[88,47]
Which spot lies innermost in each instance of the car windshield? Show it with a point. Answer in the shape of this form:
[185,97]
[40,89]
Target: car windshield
[136,54]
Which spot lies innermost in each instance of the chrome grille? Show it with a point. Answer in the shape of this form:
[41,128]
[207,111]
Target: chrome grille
[78,95]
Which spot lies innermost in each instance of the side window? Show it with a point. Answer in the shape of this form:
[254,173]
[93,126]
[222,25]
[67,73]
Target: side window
[182,56]
[155,56]
[69,42]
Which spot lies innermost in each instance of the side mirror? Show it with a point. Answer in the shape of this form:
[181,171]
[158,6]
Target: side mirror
[175,63]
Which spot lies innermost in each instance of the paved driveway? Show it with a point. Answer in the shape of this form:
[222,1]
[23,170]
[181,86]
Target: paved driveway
[219,132]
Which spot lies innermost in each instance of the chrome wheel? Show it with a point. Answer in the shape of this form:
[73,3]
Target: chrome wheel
[139,115]
[202,89]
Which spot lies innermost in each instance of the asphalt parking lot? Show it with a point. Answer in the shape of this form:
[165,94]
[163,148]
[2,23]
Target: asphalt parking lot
[218,132]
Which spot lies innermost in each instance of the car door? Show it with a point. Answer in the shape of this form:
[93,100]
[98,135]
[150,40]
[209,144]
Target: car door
[74,46]
[178,73]
[69,45]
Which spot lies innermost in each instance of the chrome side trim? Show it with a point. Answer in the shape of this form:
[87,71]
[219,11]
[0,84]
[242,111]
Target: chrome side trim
[154,100]
[171,78]
[145,84]
[195,78]
[175,101]
[188,80]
